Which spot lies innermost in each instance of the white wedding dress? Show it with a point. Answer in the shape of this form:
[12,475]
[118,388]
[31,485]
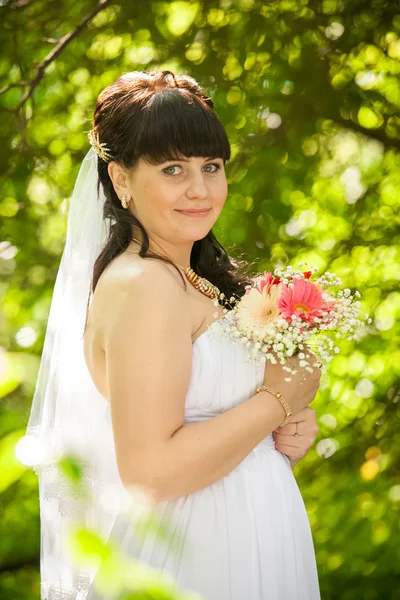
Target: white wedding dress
[247,536]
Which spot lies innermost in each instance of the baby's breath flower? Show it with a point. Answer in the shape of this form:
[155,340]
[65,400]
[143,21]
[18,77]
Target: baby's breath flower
[341,318]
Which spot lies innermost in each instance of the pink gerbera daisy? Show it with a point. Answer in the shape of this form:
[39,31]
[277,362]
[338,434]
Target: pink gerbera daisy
[304,300]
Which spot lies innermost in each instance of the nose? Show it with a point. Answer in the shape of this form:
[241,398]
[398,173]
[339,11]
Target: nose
[197,186]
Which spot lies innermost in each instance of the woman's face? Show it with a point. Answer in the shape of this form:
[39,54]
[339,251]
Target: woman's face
[159,192]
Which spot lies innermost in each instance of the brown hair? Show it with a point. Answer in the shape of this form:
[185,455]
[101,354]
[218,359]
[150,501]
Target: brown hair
[159,117]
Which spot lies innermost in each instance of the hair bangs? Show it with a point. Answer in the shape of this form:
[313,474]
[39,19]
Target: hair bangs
[173,126]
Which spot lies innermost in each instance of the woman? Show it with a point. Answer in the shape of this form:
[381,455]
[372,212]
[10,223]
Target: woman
[189,425]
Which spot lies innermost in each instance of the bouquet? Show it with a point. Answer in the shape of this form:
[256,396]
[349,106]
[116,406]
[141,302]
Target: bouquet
[281,312]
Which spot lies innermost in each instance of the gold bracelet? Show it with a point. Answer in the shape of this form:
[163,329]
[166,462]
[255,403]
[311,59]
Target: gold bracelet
[281,399]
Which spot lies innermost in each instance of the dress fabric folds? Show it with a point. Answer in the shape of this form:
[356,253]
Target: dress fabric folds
[247,536]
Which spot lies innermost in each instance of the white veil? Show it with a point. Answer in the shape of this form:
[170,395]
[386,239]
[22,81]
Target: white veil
[68,415]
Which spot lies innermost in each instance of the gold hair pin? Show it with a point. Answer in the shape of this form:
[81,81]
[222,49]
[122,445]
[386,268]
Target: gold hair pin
[100,149]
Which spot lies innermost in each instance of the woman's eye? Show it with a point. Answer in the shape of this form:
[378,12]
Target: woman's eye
[168,172]
[216,165]
[167,169]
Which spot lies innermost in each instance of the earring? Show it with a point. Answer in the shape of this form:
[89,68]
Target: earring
[124,203]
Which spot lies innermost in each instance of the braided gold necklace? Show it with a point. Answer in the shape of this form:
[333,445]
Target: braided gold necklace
[200,283]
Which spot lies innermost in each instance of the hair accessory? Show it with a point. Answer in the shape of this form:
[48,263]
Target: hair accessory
[200,283]
[278,395]
[100,148]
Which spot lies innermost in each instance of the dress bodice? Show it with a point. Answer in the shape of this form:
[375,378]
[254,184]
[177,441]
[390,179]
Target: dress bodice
[222,374]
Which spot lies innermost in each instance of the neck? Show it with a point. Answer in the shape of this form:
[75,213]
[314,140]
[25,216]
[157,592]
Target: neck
[179,254]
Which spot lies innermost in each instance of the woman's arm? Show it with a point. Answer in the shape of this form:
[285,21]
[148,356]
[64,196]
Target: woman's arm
[148,355]
[201,453]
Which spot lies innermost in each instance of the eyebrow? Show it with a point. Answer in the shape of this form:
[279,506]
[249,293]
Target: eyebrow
[187,160]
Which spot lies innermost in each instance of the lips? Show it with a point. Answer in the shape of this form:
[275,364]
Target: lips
[192,211]
[195,214]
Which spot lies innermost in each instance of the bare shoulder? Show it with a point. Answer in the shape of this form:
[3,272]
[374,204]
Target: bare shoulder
[127,283]
[123,270]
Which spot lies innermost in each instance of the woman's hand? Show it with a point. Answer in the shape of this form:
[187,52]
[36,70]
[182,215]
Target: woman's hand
[296,447]
[302,386]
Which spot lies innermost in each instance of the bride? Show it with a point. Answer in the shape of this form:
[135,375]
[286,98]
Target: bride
[165,404]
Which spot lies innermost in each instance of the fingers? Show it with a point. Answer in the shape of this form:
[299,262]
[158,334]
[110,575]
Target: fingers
[289,430]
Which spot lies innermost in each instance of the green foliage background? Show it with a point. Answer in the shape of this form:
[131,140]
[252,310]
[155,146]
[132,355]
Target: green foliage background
[309,94]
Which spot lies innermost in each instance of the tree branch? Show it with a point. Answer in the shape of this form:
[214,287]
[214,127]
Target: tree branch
[13,85]
[61,45]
